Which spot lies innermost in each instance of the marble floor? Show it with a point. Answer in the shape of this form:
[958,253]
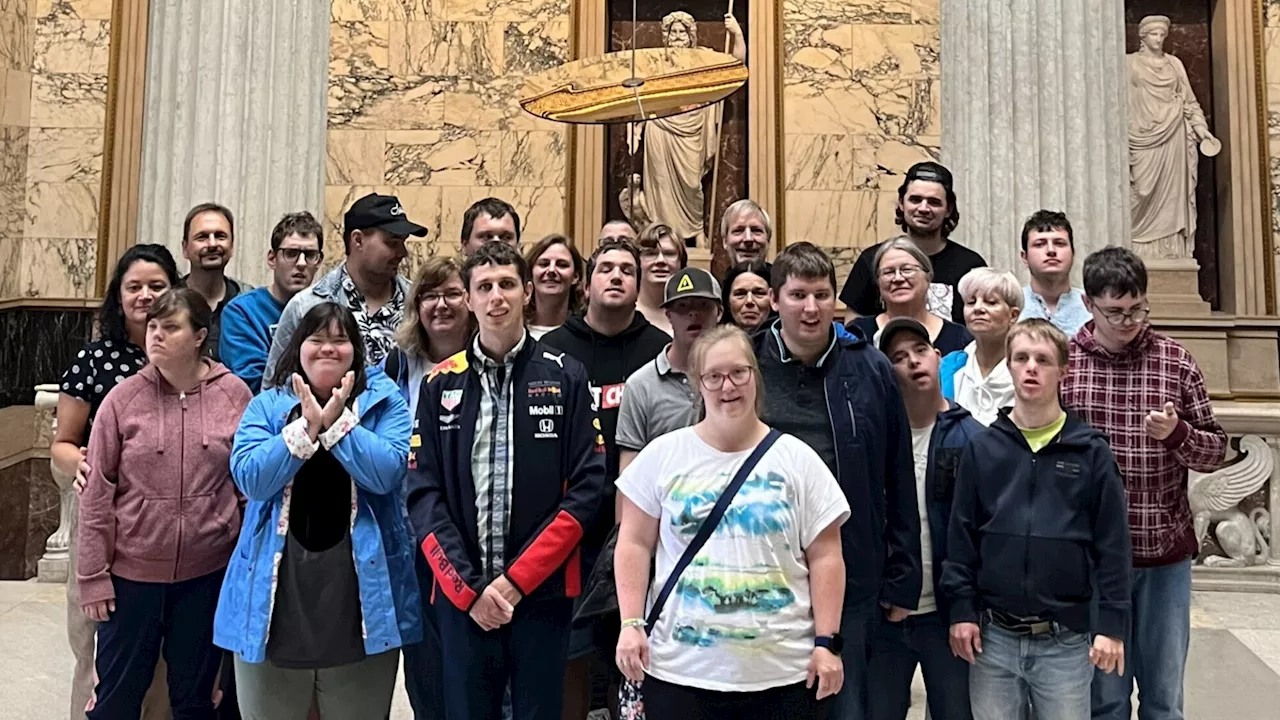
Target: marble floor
[1233,671]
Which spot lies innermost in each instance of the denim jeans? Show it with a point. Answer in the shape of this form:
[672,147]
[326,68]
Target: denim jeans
[858,623]
[896,649]
[1052,671]
[1155,654]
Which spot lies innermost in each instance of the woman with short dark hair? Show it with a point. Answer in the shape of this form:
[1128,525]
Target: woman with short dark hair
[159,515]
[320,594]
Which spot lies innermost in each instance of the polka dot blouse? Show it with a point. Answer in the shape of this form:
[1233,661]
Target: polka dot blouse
[98,367]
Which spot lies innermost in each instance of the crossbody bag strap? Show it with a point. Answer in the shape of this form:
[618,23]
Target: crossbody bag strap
[709,526]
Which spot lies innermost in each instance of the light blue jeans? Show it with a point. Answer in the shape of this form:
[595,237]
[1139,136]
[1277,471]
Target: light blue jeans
[1156,653]
[1051,671]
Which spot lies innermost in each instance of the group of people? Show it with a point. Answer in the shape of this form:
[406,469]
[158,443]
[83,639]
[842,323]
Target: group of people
[561,486]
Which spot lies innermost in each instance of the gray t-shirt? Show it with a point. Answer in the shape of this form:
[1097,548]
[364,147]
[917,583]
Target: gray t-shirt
[656,400]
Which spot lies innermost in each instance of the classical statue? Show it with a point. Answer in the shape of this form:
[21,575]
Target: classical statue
[1215,502]
[679,150]
[1167,131]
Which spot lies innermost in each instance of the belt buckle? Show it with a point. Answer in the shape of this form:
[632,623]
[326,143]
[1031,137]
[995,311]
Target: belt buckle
[1042,627]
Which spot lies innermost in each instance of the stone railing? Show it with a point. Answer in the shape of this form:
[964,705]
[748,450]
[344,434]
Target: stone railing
[1237,508]
[53,567]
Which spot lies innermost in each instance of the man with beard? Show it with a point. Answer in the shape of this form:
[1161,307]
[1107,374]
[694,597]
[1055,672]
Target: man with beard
[367,283]
[208,242]
[927,213]
[249,321]
[613,341]
[658,397]
[747,232]
[489,220]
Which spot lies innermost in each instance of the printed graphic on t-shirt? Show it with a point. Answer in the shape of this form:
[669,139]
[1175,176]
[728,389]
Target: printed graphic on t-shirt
[608,397]
[940,300]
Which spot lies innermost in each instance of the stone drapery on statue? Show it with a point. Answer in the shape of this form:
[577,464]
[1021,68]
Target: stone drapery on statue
[678,151]
[1166,129]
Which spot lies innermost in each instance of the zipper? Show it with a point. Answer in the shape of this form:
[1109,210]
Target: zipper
[182,446]
[1026,535]
[826,394]
[849,406]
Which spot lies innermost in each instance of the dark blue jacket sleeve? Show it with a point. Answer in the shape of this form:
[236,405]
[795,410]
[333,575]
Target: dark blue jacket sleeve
[1112,552]
[242,348]
[902,567]
[583,488]
[960,569]
[436,530]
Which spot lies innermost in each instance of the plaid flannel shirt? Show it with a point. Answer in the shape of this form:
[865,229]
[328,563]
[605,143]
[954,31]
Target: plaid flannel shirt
[1114,392]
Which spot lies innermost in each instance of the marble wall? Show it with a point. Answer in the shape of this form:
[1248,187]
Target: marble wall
[861,104]
[423,103]
[54,54]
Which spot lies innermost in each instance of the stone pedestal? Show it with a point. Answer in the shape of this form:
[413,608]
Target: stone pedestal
[1173,288]
[1035,115]
[55,565]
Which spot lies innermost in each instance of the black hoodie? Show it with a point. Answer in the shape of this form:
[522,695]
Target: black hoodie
[610,360]
[1040,534]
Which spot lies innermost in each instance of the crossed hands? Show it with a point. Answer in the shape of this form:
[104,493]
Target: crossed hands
[319,418]
[496,604]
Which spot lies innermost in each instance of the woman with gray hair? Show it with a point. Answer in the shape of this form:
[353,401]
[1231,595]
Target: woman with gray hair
[903,273]
[977,378]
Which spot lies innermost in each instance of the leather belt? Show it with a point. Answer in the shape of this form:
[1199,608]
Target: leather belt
[1019,625]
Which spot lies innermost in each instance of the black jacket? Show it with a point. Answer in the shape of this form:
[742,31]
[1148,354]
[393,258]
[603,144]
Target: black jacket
[557,477]
[609,360]
[952,431]
[1030,531]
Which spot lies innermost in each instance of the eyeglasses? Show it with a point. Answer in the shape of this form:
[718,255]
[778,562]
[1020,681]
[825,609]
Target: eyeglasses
[906,271]
[653,252]
[738,377]
[1115,317]
[291,255]
[451,297]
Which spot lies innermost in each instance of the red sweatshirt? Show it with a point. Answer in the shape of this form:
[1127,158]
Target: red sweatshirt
[1114,392]
[160,505]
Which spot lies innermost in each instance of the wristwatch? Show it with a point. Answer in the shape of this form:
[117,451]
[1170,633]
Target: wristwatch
[833,643]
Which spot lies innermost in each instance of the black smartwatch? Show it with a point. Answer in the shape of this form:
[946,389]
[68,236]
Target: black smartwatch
[833,643]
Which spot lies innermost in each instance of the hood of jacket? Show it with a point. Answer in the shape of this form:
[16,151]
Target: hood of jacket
[218,380]
[1087,340]
[1076,433]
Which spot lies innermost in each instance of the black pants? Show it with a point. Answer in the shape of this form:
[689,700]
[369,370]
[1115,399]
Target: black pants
[663,700]
[177,616]
[424,661]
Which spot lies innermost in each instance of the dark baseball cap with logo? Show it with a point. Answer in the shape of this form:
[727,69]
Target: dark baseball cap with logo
[691,282]
[383,212]
[900,325]
[929,171]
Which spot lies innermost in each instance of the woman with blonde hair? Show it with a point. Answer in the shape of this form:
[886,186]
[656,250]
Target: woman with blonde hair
[752,628]
[903,273]
[977,378]
[557,269]
[437,325]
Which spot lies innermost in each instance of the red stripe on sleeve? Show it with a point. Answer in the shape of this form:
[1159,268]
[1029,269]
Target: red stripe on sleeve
[549,551]
[451,583]
[573,574]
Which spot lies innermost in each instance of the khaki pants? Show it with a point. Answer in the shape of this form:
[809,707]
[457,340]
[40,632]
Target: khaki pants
[80,634]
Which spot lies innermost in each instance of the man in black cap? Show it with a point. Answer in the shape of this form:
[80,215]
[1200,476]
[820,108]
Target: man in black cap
[926,211]
[368,283]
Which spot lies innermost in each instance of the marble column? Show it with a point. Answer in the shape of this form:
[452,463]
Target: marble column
[234,113]
[1034,112]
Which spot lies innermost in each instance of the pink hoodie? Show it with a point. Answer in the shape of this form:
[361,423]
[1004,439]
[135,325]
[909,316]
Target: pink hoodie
[160,505]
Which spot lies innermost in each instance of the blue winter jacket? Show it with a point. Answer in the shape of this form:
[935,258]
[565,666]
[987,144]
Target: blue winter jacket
[952,431]
[375,453]
[952,363]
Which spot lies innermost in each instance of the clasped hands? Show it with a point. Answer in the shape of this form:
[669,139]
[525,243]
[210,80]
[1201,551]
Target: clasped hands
[494,607]
[320,418]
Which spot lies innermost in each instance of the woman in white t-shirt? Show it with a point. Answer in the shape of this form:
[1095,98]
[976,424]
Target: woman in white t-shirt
[751,627]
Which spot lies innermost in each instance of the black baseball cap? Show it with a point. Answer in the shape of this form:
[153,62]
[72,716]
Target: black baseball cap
[691,282]
[383,212]
[902,324]
[930,171]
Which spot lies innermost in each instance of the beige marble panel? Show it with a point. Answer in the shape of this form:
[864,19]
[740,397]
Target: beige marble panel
[506,10]
[60,155]
[13,210]
[383,102]
[452,156]
[896,157]
[359,10]
[926,12]
[415,9]
[68,100]
[831,217]
[827,162]
[491,105]
[1271,39]
[21,7]
[10,263]
[68,209]
[354,157]
[471,49]
[58,267]
[14,144]
[69,45]
[886,217]
[83,9]
[15,41]
[888,50]
[17,98]
[533,158]
[534,46]
[422,205]
[828,108]
[358,48]
[816,50]
[880,12]
[541,209]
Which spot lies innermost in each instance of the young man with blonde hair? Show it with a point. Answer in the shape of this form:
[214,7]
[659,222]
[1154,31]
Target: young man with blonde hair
[1038,535]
